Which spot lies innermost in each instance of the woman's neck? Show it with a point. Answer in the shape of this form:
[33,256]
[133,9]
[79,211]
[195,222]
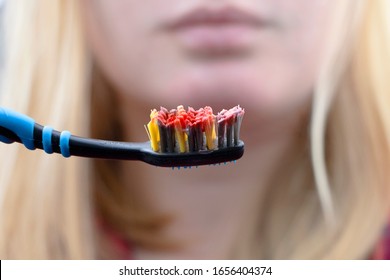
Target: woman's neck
[212,207]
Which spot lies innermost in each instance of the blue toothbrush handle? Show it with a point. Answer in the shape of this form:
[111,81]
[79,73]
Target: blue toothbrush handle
[16,126]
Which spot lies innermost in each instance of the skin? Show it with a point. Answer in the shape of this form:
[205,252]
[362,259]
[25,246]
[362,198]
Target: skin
[272,77]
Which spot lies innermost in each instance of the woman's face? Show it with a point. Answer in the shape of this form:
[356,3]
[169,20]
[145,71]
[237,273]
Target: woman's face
[261,54]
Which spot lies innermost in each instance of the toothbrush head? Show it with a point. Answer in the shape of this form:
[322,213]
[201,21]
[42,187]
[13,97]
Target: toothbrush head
[180,137]
[182,131]
[193,159]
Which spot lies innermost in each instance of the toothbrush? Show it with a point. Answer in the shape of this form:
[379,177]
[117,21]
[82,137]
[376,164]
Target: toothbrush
[16,127]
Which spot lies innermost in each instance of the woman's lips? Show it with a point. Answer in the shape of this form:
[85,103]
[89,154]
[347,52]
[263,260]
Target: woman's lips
[225,30]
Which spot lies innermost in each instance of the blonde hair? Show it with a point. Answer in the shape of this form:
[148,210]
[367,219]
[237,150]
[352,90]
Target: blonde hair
[46,203]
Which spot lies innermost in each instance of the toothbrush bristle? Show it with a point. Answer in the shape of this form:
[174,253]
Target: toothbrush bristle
[181,131]
[213,164]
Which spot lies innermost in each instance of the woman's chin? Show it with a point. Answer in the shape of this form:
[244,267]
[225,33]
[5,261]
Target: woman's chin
[218,94]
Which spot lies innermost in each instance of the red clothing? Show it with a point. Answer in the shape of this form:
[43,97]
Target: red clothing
[382,250]
[116,241]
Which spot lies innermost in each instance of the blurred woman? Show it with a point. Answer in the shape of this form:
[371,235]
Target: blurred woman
[311,75]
